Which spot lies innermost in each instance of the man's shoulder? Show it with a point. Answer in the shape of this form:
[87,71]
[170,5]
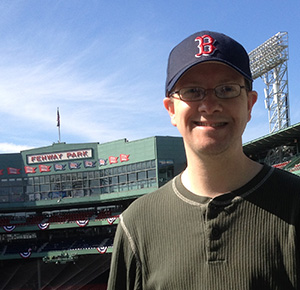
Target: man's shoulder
[283,184]
[287,178]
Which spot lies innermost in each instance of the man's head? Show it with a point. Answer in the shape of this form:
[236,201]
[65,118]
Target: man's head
[207,46]
[207,92]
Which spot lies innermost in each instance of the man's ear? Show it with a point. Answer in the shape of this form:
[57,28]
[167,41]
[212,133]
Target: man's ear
[252,98]
[169,105]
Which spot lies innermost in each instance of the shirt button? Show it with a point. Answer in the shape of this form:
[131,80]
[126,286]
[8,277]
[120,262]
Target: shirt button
[215,233]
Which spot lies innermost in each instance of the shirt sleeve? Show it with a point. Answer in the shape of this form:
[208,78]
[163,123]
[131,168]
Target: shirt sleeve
[125,270]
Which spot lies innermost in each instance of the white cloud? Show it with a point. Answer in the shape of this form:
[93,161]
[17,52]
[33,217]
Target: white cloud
[12,148]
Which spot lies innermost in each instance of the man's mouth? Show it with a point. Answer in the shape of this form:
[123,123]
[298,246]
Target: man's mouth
[208,124]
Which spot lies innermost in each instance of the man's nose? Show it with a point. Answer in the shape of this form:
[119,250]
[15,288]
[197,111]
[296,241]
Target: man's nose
[210,103]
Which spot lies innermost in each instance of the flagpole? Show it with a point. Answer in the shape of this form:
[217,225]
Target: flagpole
[58,124]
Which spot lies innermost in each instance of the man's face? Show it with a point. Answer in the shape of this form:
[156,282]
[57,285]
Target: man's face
[212,125]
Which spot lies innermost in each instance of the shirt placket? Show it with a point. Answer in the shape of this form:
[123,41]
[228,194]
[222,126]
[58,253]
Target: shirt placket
[215,232]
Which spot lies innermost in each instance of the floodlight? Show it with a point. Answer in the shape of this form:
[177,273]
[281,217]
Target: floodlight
[269,61]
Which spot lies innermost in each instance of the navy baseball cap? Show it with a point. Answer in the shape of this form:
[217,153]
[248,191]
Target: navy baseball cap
[202,47]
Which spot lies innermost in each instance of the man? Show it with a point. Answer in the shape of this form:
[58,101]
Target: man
[226,222]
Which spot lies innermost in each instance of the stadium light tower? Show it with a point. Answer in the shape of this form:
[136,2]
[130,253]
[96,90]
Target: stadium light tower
[269,61]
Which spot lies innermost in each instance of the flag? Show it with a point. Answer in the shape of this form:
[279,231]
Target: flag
[124,157]
[112,159]
[88,164]
[102,162]
[11,170]
[74,165]
[58,118]
[44,168]
[30,169]
[59,167]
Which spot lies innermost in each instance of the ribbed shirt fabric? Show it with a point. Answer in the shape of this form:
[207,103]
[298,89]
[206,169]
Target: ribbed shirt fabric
[247,239]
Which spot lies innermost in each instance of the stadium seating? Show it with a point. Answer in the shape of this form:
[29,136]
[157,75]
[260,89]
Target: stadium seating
[282,165]
[295,168]
[64,217]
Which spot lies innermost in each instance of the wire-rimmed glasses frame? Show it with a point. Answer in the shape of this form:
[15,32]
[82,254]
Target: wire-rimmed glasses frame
[194,94]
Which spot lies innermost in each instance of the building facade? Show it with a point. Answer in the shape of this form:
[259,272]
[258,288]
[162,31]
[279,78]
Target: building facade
[87,171]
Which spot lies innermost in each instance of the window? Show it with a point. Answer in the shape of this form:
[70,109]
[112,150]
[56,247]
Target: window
[45,187]
[104,181]
[104,189]
[29,189]
[113,188]
[107,172]
[141,175]
[131,177]
[123,187]
[4,191]
[133,167]
[95,190]
[142,184]
[95,183]
[66,185]
[55,186]
[77,184]
[114,179]
[123,178]
[151,173]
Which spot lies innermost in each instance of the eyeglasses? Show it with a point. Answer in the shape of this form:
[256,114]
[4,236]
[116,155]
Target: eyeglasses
[195,94]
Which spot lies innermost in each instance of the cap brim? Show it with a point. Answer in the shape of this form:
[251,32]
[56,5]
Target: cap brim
[175,79]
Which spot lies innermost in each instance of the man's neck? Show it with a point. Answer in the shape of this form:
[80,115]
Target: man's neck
[217,175]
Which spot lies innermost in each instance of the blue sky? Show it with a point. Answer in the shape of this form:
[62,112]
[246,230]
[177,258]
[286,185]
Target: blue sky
[103,63]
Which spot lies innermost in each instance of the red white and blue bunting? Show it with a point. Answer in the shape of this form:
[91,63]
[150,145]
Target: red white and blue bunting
[43,226]
[9,228]
[26,255]
[102,250]
[111,220]
[82,223]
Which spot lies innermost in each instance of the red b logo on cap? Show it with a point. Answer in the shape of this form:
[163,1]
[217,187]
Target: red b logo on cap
[205,45]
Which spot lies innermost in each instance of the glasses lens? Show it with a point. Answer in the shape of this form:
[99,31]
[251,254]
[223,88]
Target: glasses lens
[192,94]
[228,91]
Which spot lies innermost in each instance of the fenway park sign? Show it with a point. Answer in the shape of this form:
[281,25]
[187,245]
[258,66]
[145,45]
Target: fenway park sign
[59,156]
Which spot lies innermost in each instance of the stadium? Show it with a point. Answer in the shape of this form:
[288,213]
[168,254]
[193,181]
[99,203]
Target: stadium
[59,204]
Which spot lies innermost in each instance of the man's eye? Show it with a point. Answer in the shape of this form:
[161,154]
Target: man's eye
[227,89]
[192,90]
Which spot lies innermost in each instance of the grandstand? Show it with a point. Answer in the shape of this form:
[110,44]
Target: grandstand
[280,149]
[59,207]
